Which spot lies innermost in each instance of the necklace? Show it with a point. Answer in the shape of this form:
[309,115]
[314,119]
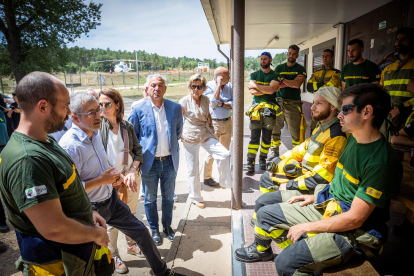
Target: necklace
[378,137]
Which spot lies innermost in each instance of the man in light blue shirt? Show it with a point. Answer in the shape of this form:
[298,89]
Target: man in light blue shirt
[83,143]
[220,93]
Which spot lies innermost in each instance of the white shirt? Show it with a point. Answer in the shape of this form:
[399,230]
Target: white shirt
[115,151]
[163,145]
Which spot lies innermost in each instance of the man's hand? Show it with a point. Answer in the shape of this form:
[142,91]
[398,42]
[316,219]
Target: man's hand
[394,112]
[129,180]
[389,56]
[98,220]
[102,237]
[307,199]
[219,79]
[251,85]
[296,231]
[110,176]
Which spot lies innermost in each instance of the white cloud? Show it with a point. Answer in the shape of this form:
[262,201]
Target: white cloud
[169,28]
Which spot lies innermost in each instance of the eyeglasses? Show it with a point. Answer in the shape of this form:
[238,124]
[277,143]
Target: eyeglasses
[107,105]
[348,108]
[199,87]
[91,114]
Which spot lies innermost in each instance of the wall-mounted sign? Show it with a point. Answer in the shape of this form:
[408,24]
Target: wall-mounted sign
[382,25]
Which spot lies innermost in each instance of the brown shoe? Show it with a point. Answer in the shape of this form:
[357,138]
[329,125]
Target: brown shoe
[134,250]
[200,205]
[120,266]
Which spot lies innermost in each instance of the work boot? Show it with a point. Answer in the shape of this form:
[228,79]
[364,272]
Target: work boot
[210,182]
[4,228]
[272,154]
[120,267]
[249,166]
[262,164]
[251,254]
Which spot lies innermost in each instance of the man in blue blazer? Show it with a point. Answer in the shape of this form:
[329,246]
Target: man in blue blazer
[158,124]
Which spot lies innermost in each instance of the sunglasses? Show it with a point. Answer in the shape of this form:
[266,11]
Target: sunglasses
[348,108]
[199,87]
[107,105]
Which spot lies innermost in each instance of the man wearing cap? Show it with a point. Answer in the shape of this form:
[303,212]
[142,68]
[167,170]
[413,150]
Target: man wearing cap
[263,112]
[292,75]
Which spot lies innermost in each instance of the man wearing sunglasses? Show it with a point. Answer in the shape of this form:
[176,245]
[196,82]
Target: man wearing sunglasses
[83,143]
[220,93]
[346,218]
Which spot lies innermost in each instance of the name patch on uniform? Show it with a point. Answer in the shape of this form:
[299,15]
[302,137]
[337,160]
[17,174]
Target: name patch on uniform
[331,151]
[35,191]
[374,193]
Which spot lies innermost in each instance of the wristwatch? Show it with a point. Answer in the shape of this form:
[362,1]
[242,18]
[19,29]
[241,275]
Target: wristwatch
[94,208]
[281,79]
[219,102]
[135,167]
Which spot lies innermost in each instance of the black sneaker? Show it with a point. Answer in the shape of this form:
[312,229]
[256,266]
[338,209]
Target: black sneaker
[262,164]
[249,166]
[4,228]
[250,254]
[210,182]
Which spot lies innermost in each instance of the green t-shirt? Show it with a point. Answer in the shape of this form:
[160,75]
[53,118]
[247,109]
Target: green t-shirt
[355,74]
[32,172]
[264,79]
[371,172]
[290,73]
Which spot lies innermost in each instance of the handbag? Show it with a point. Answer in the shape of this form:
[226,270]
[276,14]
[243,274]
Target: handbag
[122,189]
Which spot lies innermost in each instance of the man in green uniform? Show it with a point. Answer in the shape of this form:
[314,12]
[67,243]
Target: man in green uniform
[347,217]
[359,70]
[327,76]
[292,75]
[263,112]
[57,231]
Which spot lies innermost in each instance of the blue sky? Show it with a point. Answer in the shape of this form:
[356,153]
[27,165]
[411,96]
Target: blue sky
[172,28]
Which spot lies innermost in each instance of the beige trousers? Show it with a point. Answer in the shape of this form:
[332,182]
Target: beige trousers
[223,131]
[133,205]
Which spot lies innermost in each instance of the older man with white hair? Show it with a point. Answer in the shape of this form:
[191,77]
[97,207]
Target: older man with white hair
[220,93]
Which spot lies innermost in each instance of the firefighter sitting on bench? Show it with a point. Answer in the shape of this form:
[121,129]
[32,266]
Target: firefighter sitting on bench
[318,154]
[346,218]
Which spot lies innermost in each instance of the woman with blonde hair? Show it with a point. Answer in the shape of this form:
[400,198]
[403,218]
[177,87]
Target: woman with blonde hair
[125,154]
[198,132]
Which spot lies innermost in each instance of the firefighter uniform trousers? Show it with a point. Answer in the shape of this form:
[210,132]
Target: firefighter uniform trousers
[292,113]
[312,252]
[262,120]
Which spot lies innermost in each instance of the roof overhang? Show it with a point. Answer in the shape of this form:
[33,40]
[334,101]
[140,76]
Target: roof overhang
[292,21]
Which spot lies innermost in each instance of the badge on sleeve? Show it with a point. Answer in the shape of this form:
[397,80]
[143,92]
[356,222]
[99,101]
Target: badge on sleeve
[35,191]
[374,193]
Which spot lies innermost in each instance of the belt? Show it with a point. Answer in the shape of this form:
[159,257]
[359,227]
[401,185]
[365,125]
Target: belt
[162,158]
[225,119]
[101,202]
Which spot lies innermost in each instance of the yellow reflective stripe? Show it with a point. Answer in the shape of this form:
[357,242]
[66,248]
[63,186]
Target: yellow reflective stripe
[396,81]
[315,86]
[252,151]
[311,158]
[262,83]
[285,244]
[339,165]
[271,106]
[311,234]
[330,84]
[295,142]
[254,216]
[264,150]
[264,191]
[276,143]
[99,253]
[301,183]
[331,208]
[274,234]
[261,248]
[48,269]
[401,93]
[350,178]
[264,145]
[302,149]
[251,146]
[324,173]
[71,179]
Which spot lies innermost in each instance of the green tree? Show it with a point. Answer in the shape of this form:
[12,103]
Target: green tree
[41,24]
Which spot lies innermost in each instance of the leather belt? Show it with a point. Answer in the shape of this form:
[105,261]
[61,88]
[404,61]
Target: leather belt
[162,158]
[225,119]
[101,202]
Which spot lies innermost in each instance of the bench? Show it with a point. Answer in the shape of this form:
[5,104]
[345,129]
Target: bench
[355,267]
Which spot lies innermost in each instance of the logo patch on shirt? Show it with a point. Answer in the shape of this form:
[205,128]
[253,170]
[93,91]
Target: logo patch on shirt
[374,193]
[35,191]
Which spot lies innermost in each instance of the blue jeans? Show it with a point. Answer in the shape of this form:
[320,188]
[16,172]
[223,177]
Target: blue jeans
[164,172]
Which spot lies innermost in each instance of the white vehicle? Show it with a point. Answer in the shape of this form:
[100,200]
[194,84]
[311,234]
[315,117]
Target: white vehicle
[122,66]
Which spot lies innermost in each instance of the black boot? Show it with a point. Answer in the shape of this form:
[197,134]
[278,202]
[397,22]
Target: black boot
[262,164]
[249,166]
[250,254]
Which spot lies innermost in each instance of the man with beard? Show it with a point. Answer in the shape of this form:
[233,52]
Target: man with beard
[359,70]
[398,77]
[83,142]
[292,75]
[327,76]
[57,231]
[263,112]
[318,155]
[346,218]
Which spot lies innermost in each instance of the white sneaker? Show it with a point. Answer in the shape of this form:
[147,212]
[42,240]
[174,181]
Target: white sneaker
[120,267]
[175,198]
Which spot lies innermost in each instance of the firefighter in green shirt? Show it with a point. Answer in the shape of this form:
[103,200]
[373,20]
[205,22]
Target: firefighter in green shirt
[292,75]
[359,70]
[263,112]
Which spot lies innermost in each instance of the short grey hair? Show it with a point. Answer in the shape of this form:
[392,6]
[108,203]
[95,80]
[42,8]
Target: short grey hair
[78,100]
[156,76]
